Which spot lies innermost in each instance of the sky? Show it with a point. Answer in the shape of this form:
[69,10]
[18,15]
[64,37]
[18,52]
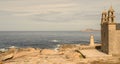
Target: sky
[54,15]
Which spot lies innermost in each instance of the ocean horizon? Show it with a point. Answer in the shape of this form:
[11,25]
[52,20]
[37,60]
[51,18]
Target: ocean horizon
[45,39]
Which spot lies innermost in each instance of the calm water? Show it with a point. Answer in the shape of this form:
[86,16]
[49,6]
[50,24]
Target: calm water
[44,39]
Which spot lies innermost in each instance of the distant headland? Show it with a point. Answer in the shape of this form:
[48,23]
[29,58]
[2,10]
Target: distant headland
[90,30]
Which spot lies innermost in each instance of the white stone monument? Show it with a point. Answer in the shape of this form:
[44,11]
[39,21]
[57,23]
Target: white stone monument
[92,40]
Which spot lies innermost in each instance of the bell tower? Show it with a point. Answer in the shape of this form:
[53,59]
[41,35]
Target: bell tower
[104,17]
[104,32]
[108,31]
[111,15]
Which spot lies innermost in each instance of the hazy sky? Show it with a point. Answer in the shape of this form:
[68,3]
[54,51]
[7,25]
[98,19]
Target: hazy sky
[53,15]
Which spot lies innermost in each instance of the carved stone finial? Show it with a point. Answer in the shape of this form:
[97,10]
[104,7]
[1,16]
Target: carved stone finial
[111,9]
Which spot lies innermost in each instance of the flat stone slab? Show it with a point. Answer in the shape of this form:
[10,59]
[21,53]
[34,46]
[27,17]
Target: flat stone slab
[93,53]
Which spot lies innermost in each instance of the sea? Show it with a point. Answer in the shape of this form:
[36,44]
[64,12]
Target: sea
[45,39]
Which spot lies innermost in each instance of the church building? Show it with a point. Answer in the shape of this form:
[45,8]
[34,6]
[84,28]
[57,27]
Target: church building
[110,33]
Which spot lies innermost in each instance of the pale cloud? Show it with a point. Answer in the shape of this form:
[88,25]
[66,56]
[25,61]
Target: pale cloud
[53,14]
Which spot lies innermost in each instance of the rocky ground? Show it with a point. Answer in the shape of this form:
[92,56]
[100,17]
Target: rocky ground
[64,55]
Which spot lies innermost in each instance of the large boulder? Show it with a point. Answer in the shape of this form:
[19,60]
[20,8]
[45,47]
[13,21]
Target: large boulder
[7,57]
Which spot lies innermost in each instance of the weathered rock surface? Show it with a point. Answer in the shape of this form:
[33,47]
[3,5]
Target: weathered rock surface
[48,56]
[7,57]
[40,56]
[48,51]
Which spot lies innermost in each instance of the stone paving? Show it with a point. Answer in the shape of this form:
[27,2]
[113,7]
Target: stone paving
[93,53]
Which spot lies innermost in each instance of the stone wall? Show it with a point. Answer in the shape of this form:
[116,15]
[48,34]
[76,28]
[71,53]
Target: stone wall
[104,37]
[116,45]
[110,38]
